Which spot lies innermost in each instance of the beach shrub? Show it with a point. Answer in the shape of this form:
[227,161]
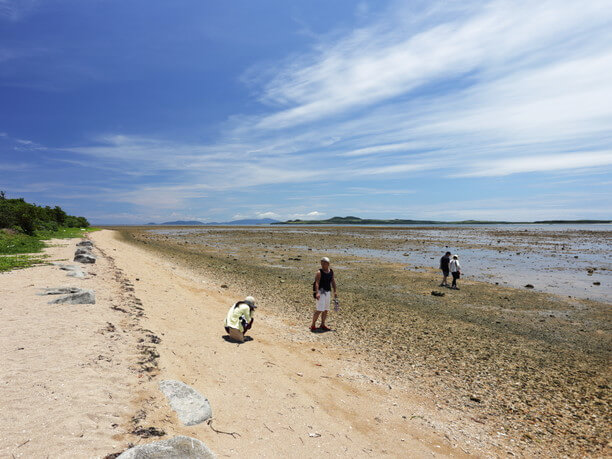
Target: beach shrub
[29,218]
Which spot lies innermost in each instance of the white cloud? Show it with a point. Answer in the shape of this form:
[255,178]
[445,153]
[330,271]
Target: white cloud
[273,215]
[462,89]
[315,214]
[509,166]
[390,59]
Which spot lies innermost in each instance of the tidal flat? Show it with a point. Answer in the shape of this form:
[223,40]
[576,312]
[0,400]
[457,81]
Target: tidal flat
[533,365]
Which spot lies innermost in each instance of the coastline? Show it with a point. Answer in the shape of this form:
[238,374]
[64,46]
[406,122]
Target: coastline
[86,386]
[529,368]
[356,397]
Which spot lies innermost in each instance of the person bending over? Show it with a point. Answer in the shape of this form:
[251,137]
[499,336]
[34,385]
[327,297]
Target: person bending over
[239,318]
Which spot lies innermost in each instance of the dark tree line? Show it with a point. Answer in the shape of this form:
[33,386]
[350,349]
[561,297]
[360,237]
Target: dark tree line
[28,218]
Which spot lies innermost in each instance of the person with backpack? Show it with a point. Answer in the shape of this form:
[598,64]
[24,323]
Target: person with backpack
[322,288]
[239,318]
[444,266]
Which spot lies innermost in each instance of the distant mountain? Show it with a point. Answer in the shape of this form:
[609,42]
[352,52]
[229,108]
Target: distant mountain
[350,220]
[254,221]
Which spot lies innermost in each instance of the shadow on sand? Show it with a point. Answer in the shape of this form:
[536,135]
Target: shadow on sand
[322,330]
[230,340]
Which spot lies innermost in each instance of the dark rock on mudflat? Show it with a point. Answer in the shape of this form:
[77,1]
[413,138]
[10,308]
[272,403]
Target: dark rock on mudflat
[191,407]
[436,293]
[85,258]
[180,447]
[85,244]
[81,250]
[596,283]
[529,286]
[81,297]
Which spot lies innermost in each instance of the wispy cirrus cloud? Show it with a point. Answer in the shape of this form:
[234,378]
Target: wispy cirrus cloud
[507,166]
[456,90]
[447,90]
[14,10]
[399,55]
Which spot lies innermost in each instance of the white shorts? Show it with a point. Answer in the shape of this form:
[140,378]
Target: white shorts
[324,301]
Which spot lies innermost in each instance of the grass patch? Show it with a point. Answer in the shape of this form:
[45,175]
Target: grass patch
[8,263]
[19,243]
[11,244]
[64,233]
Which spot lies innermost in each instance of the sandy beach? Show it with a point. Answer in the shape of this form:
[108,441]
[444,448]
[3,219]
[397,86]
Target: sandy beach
[527,369]
[82,380]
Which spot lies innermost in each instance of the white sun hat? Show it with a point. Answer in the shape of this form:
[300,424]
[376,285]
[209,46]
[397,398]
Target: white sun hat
[250,301]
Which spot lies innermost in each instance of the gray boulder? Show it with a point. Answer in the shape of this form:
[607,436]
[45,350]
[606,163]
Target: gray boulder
[67,267]
[73,270]
[180,447]
[60,290]
[85,258]
[81,250]
[80,297]
[85,244]
[191,407]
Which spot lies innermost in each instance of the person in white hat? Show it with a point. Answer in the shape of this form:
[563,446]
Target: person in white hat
[240,318]
[455,269]
[322,287]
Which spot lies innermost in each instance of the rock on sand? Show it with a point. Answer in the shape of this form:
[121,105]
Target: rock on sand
[191,407]
[80,297]
[180,447]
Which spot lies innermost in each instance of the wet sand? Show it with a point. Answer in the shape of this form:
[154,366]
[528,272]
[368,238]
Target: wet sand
[531,369]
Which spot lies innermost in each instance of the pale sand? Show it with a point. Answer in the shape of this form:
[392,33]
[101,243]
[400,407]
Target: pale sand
[74,388]
[64,380]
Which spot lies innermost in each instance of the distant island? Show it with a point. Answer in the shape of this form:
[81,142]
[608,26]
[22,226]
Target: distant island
[255,221]
[350,220]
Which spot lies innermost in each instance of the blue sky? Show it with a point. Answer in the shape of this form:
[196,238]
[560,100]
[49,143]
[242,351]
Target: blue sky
[138,111]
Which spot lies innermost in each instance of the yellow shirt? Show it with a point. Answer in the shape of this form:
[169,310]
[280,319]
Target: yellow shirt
[235,313]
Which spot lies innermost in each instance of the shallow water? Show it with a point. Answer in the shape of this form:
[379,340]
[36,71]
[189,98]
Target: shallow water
[559,259]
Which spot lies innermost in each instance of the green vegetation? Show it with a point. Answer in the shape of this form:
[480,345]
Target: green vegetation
[24,227]
[8,263]
[23,217]
[14,246]
[19,243]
